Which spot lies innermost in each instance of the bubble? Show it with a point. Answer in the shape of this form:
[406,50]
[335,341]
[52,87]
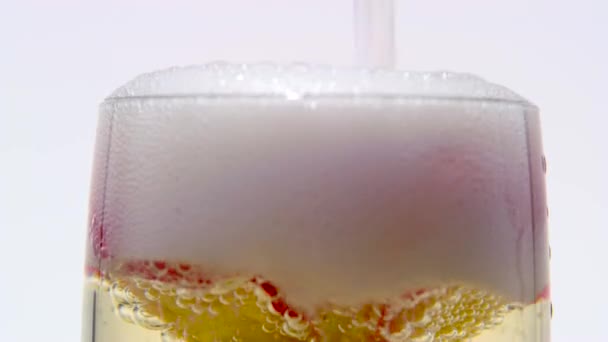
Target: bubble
[269,327]
[142,283]
[240,293]
[152,294]
[197,308]
[125,312]
[296,323]
[147,320]
[185,302]
[208,298]
[214,308]
[273,319]
[226,299]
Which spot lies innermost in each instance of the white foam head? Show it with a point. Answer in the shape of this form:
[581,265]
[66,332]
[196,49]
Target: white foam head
[301,80]
[340,184]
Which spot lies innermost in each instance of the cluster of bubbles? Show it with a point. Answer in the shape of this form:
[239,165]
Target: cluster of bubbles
[445,314]
[186,312]
[242,308]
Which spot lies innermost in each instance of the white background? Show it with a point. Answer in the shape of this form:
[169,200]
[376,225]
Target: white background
[58,59]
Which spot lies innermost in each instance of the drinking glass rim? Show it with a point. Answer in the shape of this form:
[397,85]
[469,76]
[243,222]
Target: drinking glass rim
[303,82]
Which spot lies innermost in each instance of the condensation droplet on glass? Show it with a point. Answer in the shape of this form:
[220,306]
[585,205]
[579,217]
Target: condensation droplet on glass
[544,164]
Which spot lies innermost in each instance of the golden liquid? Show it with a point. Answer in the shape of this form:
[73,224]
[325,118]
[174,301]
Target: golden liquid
[140,306]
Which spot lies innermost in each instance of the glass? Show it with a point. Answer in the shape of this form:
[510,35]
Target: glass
[299,203]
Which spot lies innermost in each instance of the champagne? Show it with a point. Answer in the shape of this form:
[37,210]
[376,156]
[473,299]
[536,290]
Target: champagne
[302,203]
